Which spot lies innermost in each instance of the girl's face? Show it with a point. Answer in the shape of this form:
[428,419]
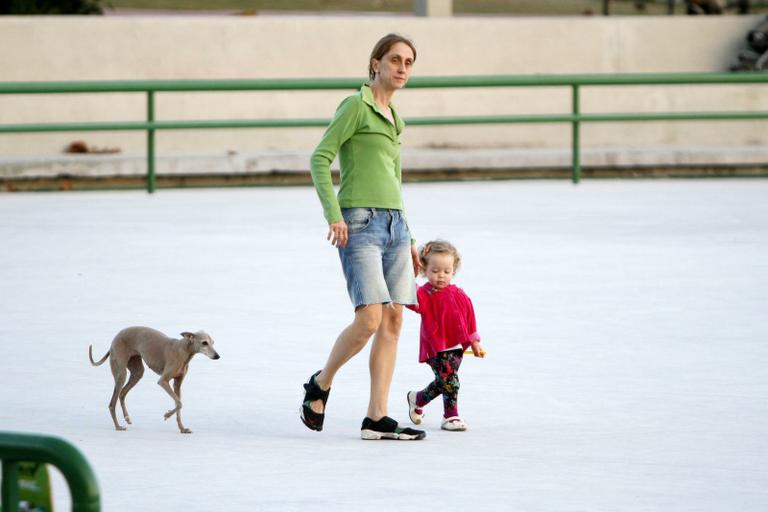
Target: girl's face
[395,66]
[440,270]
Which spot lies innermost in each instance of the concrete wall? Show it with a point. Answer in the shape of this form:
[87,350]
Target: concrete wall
[98,48]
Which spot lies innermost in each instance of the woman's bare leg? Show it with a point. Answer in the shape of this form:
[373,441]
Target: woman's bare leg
[382,361]
[351,341]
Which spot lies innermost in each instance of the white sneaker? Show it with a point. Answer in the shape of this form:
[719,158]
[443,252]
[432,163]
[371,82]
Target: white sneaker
[454,424]
[414,411]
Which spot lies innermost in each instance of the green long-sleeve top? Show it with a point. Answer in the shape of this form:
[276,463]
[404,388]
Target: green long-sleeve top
[368,145]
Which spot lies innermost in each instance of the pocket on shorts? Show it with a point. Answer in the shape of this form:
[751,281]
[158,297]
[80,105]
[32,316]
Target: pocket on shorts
[357,219]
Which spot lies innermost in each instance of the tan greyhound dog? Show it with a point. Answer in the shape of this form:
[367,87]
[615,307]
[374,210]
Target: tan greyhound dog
[165,356]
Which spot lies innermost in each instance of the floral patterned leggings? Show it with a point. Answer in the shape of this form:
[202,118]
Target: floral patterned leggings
[445,365]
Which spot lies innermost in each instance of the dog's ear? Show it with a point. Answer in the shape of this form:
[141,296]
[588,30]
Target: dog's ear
[188,335]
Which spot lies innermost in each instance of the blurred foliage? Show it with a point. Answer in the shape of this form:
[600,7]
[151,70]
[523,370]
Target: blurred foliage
[50,7]
[460,7]
[480,7]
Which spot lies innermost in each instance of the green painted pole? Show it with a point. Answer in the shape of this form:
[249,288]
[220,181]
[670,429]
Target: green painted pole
[305,84]
[575,136]
[607,117]
[575,118]
[151,178]
[10,486]
[18,446]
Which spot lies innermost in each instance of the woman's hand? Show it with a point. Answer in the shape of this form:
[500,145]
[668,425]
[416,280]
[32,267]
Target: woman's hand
[415,258]
[338,234]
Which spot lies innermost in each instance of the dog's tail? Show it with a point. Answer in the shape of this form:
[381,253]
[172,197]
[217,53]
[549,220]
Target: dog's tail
[100,361]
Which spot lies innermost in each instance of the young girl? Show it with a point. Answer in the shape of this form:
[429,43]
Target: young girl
[447,329]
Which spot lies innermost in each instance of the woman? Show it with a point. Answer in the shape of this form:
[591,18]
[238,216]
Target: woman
[367,225]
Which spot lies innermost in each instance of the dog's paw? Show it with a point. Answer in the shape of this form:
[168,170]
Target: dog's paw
[186,431]
[120,428]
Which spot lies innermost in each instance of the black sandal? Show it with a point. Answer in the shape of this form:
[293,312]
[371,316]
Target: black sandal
[313,420]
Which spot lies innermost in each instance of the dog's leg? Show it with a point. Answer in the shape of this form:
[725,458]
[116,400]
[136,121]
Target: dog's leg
[137,372]
[177,389]
[163,382]
[119,382]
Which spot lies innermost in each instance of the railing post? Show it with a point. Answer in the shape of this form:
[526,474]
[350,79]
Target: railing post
[151,178]
[9,494]
[16,446]
[575,135]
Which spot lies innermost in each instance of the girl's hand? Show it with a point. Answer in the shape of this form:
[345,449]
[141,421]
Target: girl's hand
[338,234]
[415,258]
[477,349]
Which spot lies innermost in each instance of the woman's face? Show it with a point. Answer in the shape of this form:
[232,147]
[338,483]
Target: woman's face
[393,69]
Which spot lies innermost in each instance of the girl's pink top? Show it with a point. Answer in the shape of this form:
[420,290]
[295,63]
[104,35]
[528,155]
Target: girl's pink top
[447,319]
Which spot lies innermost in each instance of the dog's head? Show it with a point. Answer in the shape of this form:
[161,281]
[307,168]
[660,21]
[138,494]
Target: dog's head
[201,342]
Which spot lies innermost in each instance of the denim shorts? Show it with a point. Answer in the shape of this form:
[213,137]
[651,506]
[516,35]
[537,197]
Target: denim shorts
[377,260]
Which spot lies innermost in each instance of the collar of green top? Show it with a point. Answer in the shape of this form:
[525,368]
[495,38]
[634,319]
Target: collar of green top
[367,94]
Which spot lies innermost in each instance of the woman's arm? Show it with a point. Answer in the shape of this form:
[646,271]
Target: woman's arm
[414,251]
[342,127]
[415,259]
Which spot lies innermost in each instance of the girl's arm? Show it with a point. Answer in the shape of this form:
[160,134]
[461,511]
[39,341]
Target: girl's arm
[419,299]
[474,337]
[469,316]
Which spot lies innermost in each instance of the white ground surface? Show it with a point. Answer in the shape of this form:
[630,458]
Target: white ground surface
[625,321]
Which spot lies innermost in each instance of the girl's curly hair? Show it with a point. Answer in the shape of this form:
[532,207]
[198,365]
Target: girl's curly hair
[438,247]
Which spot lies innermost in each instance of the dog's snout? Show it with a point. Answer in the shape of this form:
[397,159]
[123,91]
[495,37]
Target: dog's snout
[216,355]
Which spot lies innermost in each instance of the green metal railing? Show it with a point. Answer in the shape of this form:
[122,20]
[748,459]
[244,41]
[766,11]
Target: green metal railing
[575,118]
[20,447]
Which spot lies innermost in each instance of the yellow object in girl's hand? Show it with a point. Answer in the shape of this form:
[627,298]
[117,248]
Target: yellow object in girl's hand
[469,351]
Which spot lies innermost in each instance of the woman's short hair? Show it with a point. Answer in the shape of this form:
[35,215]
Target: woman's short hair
[382,47]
